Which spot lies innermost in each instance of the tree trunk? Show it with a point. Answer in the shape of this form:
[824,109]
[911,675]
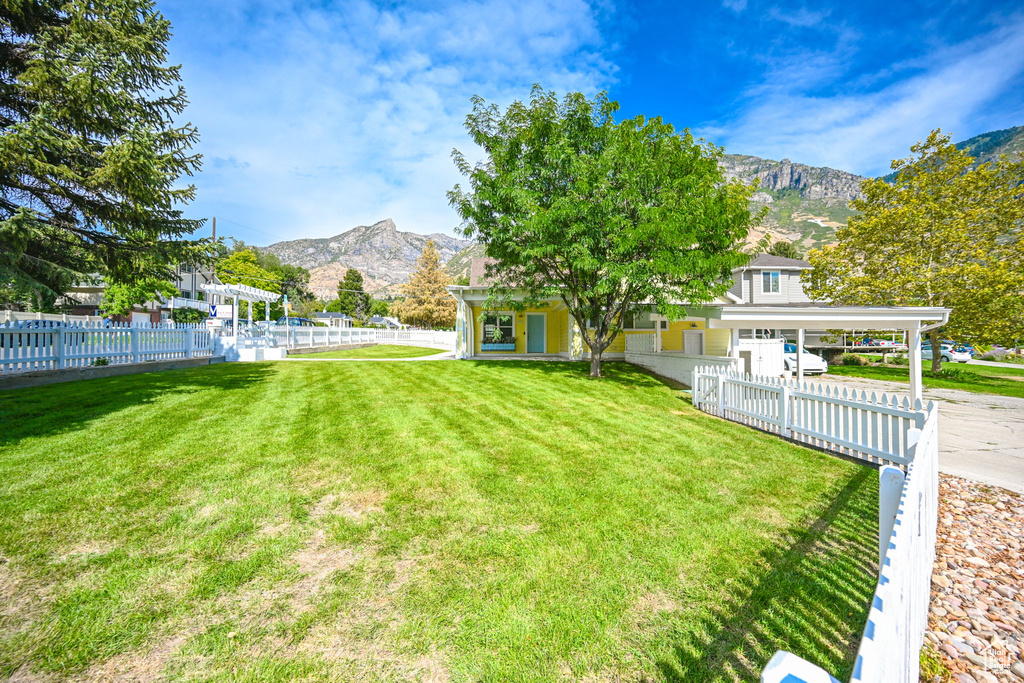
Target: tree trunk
[595,363]
[933,337]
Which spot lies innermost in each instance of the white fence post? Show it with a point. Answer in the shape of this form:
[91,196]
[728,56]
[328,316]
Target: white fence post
[721,395]
[784,412]
[58,348]
[890,488]
[133,335]
[190,341]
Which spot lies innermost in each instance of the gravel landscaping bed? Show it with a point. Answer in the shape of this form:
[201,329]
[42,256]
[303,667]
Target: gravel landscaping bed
[976,624]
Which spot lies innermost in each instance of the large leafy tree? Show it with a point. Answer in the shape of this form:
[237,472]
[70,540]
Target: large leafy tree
[352,300]
[120,298]
[243,268]
[427,302]
[943,233]
[293,280]
[91,159]
[601,214]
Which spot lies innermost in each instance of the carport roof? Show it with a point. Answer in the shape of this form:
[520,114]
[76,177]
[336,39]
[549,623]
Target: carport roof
[818,316]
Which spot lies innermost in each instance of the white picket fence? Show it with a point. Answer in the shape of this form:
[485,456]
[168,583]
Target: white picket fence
[19,316]
[890,648]
[28,346]
[312,337]
[870,427]
[879,429]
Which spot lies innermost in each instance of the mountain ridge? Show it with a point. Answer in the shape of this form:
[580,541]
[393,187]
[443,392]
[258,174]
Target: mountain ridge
[384,255]
[806,204]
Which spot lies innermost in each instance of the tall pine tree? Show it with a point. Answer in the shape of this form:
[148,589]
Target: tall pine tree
[427,302]
[352,300]
[90,157]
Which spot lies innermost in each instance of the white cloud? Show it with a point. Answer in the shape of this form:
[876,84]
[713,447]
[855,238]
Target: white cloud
[863,131]
[735,5]
[314,121]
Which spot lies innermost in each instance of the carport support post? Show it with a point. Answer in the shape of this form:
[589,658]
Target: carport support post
[234,316]
[914,354]
[800,355]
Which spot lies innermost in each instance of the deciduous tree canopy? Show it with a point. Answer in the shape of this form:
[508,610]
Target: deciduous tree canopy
[603,215]
[942,234]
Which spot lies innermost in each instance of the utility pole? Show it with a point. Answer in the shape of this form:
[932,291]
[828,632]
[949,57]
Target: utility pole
[214,228]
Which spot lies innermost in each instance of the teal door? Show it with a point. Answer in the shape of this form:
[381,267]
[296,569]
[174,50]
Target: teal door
[534,333]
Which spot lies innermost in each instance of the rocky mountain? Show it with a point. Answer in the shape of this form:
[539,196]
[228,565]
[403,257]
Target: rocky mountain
[459,264]
[805,203]
[808,203]
[383,254]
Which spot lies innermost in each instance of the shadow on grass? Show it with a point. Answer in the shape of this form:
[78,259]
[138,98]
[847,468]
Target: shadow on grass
[812,600]
[68,406]
[613,372]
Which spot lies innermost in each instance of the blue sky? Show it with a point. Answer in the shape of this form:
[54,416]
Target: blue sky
[316,117]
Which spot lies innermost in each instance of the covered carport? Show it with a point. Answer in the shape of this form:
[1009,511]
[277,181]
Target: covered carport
[915,320]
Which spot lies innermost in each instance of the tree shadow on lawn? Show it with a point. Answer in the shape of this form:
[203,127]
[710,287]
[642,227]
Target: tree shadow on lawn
[68,406]
[812,601]
[613,372]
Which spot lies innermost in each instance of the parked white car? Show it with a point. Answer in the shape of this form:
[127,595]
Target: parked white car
[949,353]
[813,365]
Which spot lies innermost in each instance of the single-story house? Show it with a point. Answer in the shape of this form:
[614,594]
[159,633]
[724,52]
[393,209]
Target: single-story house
[334,319]
[722,332]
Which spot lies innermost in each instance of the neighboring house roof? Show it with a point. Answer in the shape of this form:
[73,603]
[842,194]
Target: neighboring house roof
[769,261]
[478,272]
[327,314]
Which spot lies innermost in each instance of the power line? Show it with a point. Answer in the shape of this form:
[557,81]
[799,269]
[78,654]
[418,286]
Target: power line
[249,227]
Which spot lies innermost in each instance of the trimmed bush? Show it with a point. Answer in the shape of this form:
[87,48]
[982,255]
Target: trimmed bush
[899,360]
[852,359]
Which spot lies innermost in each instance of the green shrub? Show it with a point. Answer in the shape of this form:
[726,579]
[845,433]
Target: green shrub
[933,669]
[188,315]
[899,360]
[949,372]
[852,359]
[101,361]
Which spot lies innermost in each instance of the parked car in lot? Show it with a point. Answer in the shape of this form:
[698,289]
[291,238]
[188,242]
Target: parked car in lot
[874,341]
[298,322]
[813,364]
[948,353]
[959,345]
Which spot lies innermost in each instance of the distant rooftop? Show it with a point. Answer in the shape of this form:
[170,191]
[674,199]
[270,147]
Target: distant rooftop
[769,261]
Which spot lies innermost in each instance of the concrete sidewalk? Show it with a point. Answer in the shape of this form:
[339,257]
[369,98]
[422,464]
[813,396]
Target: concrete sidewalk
[996,364]
[981,436]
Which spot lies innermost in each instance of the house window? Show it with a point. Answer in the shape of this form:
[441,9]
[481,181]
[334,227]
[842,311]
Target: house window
[637,319]
[770,282]
[499,329]
[185,294]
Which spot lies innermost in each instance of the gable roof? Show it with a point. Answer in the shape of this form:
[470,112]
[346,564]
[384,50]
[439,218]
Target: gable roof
[478,272]
[770,261]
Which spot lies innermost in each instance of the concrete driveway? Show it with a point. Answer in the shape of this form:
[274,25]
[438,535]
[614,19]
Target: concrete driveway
[981,436]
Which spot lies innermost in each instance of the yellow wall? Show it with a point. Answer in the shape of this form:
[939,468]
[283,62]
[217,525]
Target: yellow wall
[672,338]
[716,341]
[555,329]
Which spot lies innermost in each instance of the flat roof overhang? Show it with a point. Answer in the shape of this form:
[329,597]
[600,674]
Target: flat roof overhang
[243,292]
[824,317]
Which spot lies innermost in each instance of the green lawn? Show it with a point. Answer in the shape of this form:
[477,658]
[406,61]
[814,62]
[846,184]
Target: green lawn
[979,379]
[463,521]
[376,351]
